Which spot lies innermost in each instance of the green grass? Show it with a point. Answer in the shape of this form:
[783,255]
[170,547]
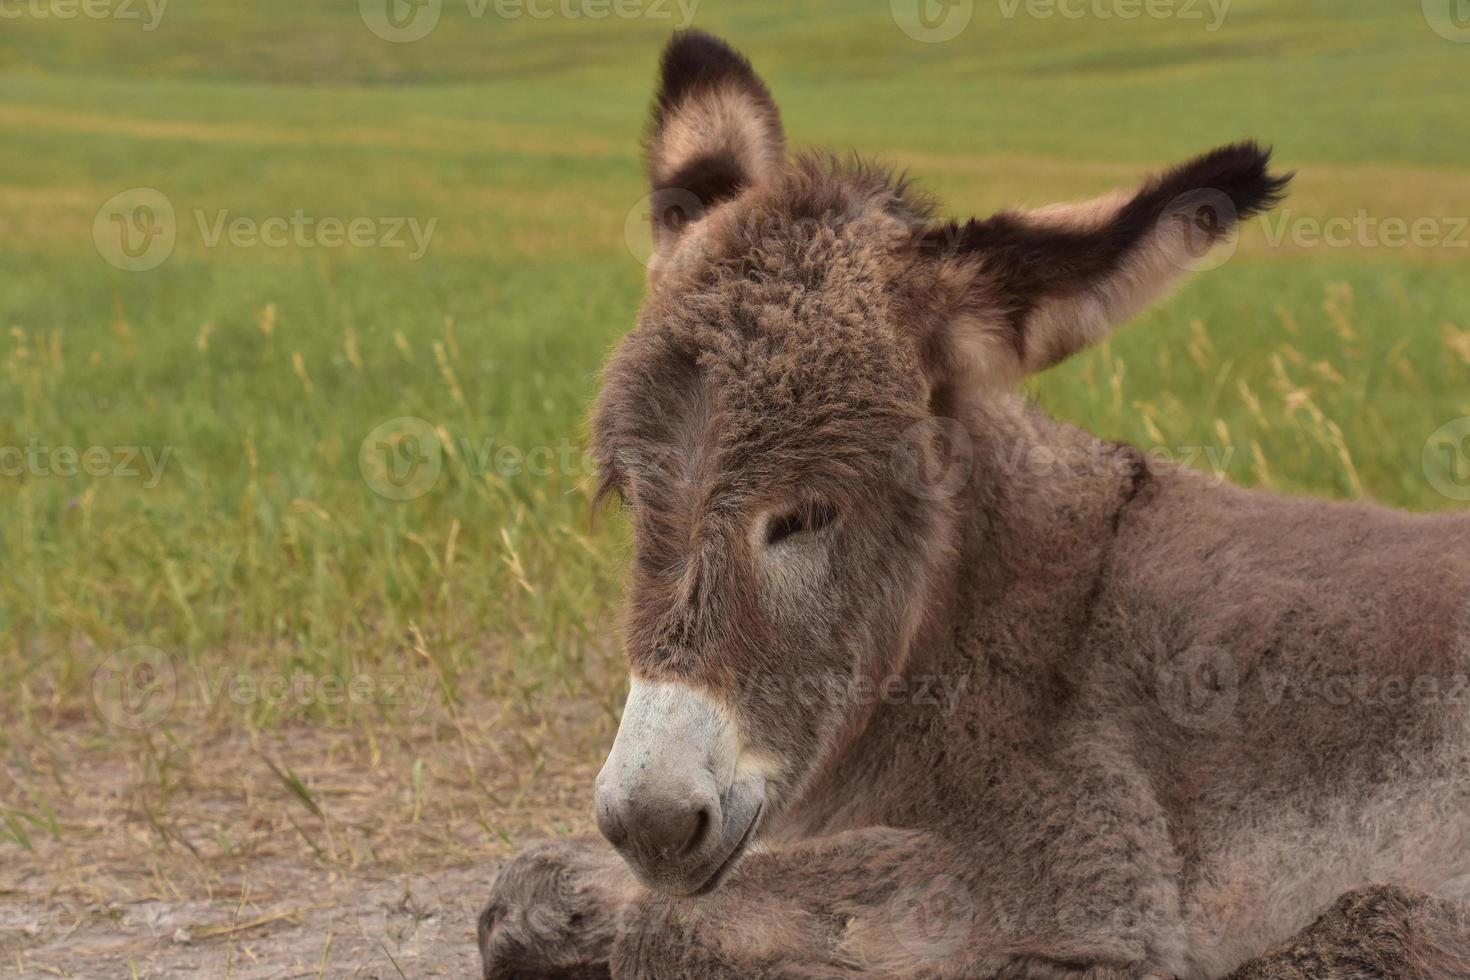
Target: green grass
[262,370]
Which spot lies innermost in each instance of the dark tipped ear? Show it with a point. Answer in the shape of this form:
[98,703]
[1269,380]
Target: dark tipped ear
[715,131]
[1027,290]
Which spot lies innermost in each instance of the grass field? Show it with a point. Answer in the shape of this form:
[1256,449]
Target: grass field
[234,519]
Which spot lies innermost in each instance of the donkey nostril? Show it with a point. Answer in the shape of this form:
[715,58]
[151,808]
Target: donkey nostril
[702,821]
[612,824]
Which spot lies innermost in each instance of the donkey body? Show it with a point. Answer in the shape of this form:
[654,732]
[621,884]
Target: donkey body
[927,684]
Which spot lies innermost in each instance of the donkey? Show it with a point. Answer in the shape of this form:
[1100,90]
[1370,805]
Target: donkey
[903,707]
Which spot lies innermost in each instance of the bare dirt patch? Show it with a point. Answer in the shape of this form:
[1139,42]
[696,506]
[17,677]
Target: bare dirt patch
[305,852]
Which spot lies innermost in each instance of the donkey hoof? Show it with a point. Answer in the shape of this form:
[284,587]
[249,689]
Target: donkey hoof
[553,913]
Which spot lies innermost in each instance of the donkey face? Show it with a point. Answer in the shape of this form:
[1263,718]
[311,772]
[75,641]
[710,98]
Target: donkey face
[807,320]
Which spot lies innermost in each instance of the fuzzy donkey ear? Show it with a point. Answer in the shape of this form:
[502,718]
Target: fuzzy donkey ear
[1022,291]
[715,131]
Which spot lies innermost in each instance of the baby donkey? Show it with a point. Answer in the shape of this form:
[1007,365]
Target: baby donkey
[926,684]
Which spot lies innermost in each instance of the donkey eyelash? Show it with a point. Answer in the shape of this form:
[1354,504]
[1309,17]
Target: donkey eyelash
[807,519]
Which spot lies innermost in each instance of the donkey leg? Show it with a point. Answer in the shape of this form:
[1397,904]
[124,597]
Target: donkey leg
[878,903]
[554,911]
[1381,932]
[866,904]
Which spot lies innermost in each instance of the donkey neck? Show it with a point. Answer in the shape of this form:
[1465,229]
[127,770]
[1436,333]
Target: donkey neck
[1035,528]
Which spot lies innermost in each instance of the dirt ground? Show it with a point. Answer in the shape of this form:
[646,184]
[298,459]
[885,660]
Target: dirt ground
[299,853]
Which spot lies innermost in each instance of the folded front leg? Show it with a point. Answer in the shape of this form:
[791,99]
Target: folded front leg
[867,904]
[1381,932]
[554,911]
[871,903]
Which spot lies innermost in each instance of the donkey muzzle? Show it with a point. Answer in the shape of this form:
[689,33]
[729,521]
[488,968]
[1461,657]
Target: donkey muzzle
[671,798]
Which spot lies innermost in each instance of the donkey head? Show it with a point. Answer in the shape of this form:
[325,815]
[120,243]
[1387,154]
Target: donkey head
[807,318]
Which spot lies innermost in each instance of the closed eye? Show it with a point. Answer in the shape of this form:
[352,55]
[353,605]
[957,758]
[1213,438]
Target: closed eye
[807,519]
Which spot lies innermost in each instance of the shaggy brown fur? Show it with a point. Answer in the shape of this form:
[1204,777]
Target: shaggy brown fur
[1010,701]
